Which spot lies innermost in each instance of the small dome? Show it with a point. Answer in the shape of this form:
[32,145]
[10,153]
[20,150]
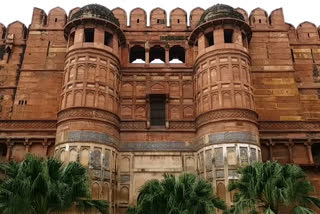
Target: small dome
[220,11]
[95,11]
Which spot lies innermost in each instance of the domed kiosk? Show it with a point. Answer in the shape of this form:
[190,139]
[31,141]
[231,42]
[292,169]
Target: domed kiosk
[221,14]
[95,11]
[220,11]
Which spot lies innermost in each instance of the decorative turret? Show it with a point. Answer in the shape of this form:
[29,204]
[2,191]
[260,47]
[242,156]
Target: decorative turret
[88,122]
[226,120]
[220,11]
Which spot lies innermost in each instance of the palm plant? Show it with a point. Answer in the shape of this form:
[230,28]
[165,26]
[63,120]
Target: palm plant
[186,194]
[271,185]
[43,186]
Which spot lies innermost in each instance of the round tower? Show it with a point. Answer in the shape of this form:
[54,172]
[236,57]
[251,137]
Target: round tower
[227,131]
[88,122]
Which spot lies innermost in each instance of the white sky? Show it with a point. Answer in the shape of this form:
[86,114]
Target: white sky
[295,11]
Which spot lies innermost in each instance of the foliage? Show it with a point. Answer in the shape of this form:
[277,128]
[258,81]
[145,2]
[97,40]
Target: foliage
[186,194]
[271,185]
[42,186]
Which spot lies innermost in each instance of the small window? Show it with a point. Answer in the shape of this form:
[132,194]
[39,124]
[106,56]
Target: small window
[260,21]
[55,20]
[316,153]
[138,20]
[8,51]
[292,56]
[108,37]
[3,152]
[161,21]
[71,39]
[244,40]
[89,35]
[48,48]
[158,109]
[209,39]
[178,21]
[228,35]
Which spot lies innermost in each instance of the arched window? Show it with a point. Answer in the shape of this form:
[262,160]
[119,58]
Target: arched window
[244,40]
[3,152]
[177,54]
[316,153]
[137,54]
[157,54]
[209,39]
[228,36]
[108,38]
[71,39]
[89,35]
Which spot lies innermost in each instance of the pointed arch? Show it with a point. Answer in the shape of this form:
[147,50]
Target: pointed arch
[244,13]
[258,17]
[18,29]
[195,15]
[138,18]
[158,18]
[57,17]
[276,17]
[73,11]
[121,15]
[307,31]
[178,18]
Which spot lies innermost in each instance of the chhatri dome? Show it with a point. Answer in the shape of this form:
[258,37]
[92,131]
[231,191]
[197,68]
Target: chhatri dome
[95,11]
[220,11]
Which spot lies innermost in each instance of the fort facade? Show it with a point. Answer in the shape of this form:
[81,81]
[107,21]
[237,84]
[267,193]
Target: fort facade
[132,102]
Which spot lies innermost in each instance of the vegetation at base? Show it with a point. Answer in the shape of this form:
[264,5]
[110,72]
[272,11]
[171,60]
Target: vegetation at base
[271,186]
[186,194]
[43,186]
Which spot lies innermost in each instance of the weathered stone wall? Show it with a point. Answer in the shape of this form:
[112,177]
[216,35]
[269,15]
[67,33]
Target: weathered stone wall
[227,105]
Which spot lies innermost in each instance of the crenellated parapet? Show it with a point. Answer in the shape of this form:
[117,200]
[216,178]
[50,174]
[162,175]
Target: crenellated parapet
[12,48]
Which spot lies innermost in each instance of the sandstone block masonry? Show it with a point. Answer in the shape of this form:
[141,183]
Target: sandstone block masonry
[132,101]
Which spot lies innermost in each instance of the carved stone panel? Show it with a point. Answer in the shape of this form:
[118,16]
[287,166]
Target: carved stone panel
[208,160]
[232,156]
[244,156]
[95,159]
[218,157]
[253,155]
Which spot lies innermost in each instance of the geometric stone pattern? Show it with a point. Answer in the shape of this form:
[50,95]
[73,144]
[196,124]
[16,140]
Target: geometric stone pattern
[233,137]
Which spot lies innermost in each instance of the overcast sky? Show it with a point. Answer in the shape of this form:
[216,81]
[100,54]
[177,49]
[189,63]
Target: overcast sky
[295,11]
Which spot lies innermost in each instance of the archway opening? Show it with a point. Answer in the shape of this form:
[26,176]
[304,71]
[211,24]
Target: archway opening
[157,54]
[137,54]
[177,54]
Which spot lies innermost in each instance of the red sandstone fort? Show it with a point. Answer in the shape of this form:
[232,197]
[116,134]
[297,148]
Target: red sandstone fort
[131,102]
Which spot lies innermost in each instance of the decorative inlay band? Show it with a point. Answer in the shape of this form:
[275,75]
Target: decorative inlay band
[154,146]
[278,126]
[89,113]
[226,114]
[28,124]
[87,136]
